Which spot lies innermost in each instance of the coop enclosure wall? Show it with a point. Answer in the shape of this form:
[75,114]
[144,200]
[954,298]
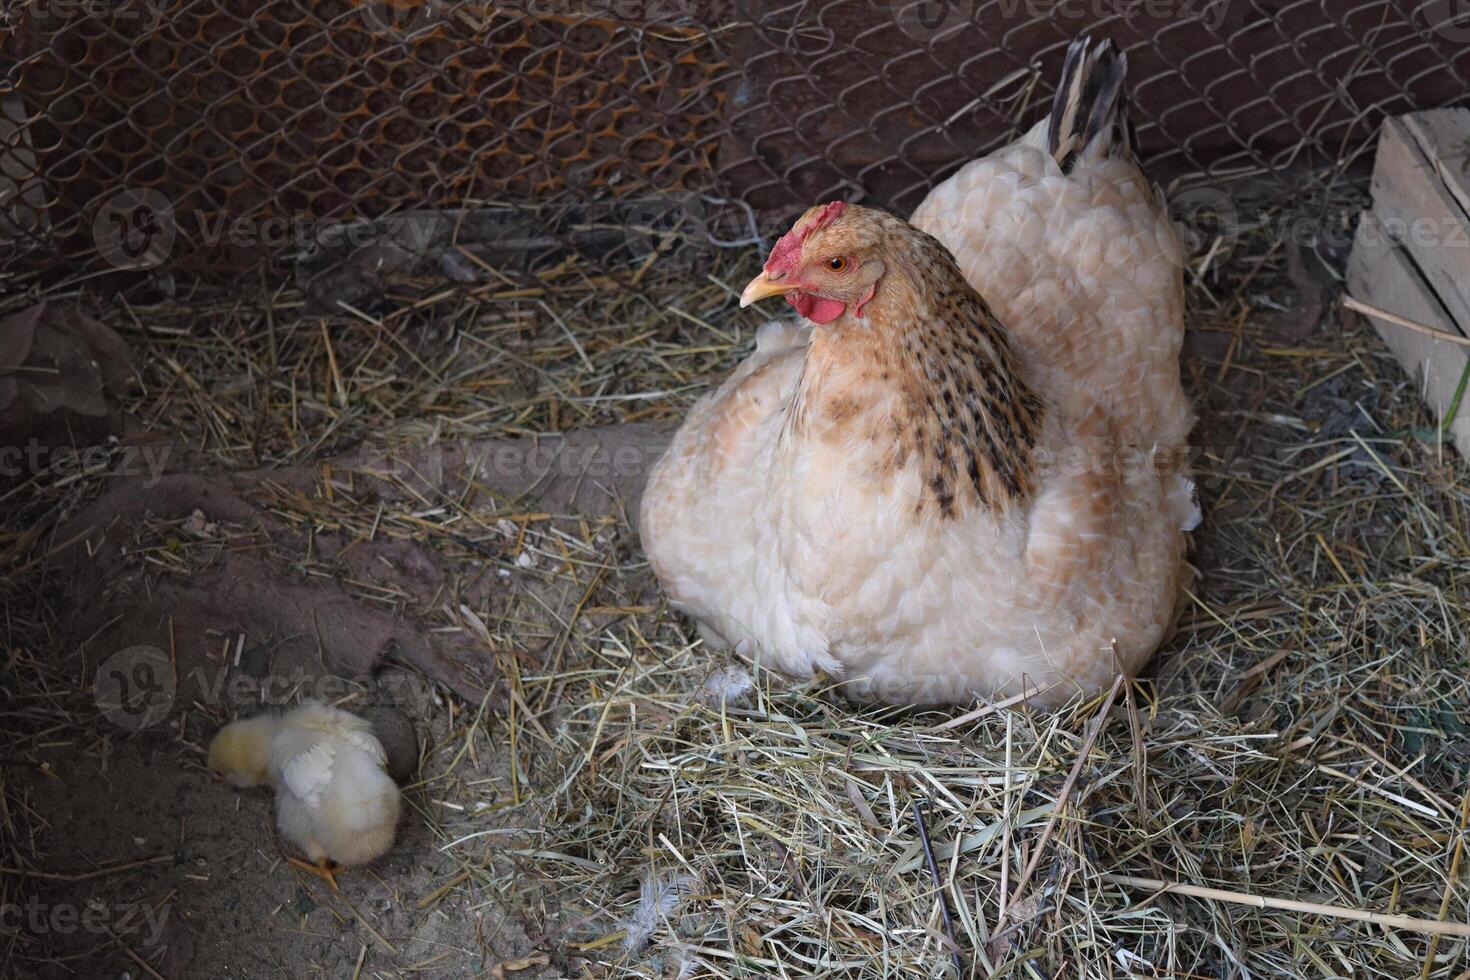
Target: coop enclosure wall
[250,125]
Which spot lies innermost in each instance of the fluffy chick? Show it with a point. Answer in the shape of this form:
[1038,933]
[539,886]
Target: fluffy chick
[334,799]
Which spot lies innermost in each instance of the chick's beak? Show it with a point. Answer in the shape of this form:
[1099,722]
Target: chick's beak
[764,285]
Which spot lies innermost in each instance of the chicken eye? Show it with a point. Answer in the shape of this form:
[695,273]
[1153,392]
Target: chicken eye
[837,263]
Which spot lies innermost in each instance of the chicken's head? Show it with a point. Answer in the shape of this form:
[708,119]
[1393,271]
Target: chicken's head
[826,265]
[240,753]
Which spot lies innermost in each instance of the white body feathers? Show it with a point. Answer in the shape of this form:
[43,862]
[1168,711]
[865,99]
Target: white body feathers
[334,798]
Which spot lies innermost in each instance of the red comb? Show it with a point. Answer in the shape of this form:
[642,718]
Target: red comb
[787,252]
[828,214]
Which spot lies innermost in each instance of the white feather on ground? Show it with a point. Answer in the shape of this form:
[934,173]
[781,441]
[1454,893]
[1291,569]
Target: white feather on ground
[659,898]
[731,685]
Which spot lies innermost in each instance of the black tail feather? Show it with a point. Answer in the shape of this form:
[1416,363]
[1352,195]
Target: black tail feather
[1089,115]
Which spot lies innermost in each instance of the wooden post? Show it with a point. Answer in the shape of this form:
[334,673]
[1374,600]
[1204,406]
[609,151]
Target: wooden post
[1412,255]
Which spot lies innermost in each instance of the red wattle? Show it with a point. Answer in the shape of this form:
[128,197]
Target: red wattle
[817,309]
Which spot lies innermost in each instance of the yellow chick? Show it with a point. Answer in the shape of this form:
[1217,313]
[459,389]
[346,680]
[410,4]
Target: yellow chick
[334,799]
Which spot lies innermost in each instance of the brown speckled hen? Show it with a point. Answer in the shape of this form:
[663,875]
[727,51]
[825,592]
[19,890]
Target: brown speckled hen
[959,475]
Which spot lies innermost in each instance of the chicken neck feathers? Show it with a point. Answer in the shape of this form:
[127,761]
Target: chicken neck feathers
[927,376]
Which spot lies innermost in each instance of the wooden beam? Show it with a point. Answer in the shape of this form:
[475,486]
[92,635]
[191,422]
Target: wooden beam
[1419,185]
[1381,273]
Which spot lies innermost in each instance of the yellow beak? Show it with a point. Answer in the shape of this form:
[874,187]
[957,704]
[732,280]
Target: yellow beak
[762,286]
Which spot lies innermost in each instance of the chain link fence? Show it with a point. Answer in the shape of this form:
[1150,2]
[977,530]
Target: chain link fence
[331,138]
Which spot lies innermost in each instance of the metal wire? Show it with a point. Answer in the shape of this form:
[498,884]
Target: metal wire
[219,134]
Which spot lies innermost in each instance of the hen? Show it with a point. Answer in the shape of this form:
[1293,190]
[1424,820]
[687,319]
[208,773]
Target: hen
[933,496]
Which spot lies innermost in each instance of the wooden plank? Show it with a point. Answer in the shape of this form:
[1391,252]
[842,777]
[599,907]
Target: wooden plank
[1418,210]
[1380,272]
[1443,136]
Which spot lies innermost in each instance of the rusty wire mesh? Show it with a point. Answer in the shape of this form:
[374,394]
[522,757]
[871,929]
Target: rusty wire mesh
[216,135]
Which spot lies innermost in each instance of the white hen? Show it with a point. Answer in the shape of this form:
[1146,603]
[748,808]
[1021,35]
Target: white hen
[937,489]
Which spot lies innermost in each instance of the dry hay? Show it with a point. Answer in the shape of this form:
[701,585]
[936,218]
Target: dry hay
[1305,737]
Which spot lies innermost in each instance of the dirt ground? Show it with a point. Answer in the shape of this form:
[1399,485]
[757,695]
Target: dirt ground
[187,877]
